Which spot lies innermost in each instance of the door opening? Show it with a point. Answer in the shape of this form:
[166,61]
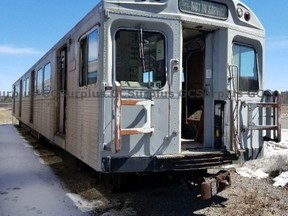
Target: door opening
[20,98]
[32,88]
[193,90]
[14,97]
[62,87]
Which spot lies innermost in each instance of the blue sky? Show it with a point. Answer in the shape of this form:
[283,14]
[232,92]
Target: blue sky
[274,17]
[29,28]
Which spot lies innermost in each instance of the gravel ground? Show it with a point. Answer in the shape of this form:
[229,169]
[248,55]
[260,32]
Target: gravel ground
[245,197]
[159,195]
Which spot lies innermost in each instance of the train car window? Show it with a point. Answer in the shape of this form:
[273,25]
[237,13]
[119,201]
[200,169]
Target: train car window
[140,59]
[246,59]
[26,89]
[47,78]
[39,82]
[17,91]
[89,58]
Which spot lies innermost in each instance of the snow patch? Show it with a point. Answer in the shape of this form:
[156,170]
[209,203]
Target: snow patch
[275,158]
[83,204]
[43,153]
[249,173]
[226,167]
[49,160]
[27,145]
[281,180]
[89,200]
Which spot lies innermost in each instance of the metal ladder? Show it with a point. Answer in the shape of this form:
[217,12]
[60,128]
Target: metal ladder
[270,107]
[119,102]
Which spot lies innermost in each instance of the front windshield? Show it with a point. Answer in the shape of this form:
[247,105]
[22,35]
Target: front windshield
[140,59]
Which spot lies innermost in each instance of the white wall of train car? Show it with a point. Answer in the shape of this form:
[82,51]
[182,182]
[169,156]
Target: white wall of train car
[83,103]
[250,33]
[44,103]
[82,113]
[251,140]
[215,62]
[155,143]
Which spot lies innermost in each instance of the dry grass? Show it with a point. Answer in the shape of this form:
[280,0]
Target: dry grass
[284,109]
[5,116]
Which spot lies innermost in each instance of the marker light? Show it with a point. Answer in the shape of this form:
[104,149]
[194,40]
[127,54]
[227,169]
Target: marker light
[239,12]
[247,16]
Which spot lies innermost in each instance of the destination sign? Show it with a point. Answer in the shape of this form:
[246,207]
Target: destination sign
[205,8]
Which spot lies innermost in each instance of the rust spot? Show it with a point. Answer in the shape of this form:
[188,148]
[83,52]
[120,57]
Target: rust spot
[127,102]
[117,135]
[266,104]
[126,132]
[215,184]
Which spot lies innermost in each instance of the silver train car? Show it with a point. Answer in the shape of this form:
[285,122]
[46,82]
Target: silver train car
[154,86]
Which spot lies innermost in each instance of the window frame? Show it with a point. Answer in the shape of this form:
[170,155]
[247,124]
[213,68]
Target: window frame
[17,90]
[26,87]
[27,92]
[165,46]
[50,78]
[37,82]
[256,73]
[83,75]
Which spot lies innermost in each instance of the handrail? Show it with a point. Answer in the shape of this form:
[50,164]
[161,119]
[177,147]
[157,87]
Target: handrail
[117,131]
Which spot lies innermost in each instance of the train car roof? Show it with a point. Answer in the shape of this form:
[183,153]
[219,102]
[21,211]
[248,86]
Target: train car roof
[165,8]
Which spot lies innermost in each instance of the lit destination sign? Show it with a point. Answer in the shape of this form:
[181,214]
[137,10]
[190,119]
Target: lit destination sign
[205,8]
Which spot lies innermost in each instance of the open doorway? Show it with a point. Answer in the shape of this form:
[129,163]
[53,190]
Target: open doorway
[193,89]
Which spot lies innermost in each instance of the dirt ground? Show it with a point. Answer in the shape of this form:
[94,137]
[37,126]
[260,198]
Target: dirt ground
[6,114]
[161,195]
[284,109]
[284,120]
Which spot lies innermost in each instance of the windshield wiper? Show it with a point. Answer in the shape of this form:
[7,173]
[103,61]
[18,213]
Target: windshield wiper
[141,48]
